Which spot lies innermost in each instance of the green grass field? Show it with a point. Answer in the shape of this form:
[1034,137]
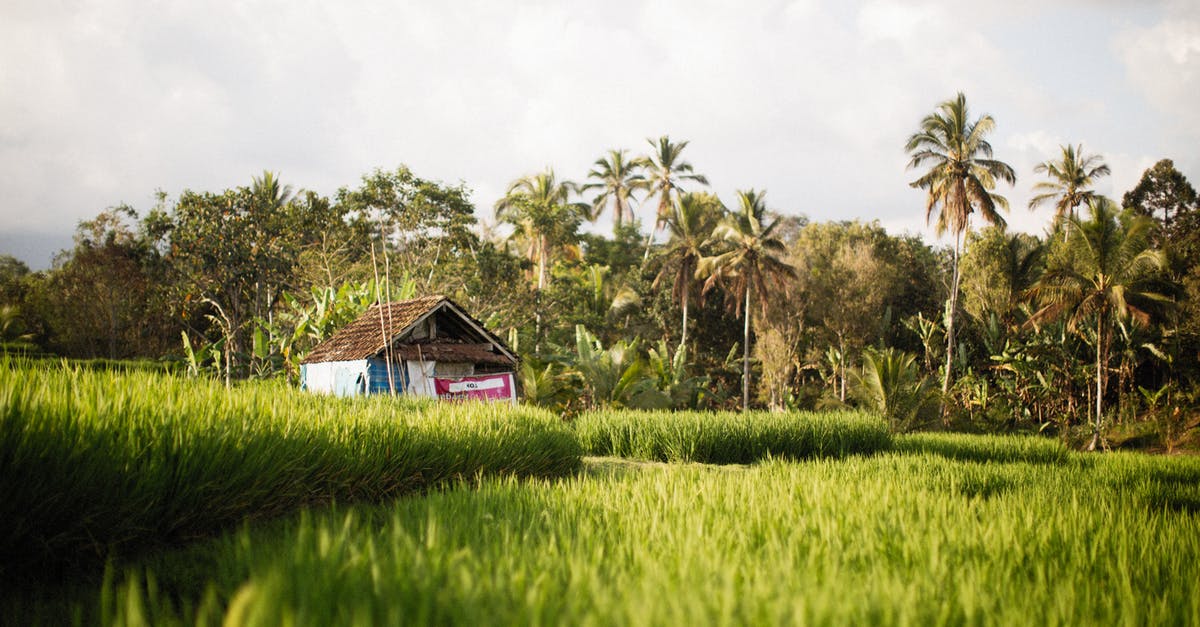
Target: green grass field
[729,437]
[96,462]
[929,529]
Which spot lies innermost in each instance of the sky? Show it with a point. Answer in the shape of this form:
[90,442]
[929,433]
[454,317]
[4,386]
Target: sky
[105,102]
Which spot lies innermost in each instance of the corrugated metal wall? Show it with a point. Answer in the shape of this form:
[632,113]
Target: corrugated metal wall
[377,377]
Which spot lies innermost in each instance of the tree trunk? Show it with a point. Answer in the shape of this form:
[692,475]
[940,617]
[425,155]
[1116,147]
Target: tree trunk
[951,306]
[112,324]
[1099,380]
[659,219]
[746,356]
[842,366]
[683,336]
[541,283]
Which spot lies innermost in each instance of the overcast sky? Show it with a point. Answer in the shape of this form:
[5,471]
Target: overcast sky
[104,102]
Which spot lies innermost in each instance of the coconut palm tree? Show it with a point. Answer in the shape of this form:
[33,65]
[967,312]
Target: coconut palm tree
[617,178]
[665,171]
[752,267]
[545,221]
[691,222]
[891,384]
[960,180]
[1113,276]
[269,190]
[1071,178]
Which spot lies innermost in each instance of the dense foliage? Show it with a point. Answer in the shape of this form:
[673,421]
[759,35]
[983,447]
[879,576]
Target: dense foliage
[696,305]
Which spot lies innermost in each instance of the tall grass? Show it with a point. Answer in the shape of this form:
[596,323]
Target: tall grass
[729,437]
[904,538]
[92,462]
[1001,448]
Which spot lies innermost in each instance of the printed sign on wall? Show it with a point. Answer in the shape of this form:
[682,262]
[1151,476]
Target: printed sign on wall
[492,387]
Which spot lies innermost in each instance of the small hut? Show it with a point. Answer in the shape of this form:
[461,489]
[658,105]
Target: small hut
[425,346]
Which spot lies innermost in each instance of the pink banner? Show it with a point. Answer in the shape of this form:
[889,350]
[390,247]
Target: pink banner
[492,387]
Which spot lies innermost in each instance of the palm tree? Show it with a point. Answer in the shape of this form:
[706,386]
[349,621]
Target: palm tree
[270,197]
[891,384]
[665,172]
[1114,276]
[546,222]
[749,268]
[1070,183]
[267,188]
[1021,264]
[617,179]
[691,222]
[959,182]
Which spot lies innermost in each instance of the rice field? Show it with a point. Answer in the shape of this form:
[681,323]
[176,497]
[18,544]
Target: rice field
[897,538]
[401,513]
[730,437]
[94,463]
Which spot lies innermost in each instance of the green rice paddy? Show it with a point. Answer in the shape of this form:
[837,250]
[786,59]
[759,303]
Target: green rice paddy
[495,519]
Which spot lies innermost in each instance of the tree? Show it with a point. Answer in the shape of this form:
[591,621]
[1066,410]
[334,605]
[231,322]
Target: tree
[14,289]
[422,223]
[891,384]
[12,278]
[665,171]
[539,207]
[1164,189]
[1165,195]
[102,298]
[1071,179]
[691,223]
[960,180]
[268,190]
[617,178]
[846,281]
[235,253]
[1002,267]
[752,268]
[1113,276]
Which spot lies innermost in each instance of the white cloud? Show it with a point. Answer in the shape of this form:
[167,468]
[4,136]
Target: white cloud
[1163,62]
[102,102]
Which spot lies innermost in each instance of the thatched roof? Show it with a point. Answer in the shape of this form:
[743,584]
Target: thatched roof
[464,338]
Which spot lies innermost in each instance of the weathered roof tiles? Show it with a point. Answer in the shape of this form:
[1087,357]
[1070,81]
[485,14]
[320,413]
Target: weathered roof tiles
[363,338]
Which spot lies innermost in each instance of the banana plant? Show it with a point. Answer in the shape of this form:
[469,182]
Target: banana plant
[544,386]
[671,372]
[614,377]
